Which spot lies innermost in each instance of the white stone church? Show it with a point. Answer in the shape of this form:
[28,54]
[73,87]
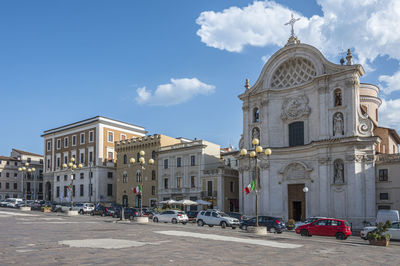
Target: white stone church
[318,120]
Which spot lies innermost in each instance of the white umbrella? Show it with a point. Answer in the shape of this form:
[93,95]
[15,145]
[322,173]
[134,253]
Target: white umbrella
[203,202]
[186,202]
[170,201]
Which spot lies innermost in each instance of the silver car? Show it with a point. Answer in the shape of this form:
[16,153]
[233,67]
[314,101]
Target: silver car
[215,217]
[171,216]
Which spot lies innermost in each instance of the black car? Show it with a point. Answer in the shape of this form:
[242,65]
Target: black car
[99,210]
[192,215]
[129,213]
[237,215]
[273,224]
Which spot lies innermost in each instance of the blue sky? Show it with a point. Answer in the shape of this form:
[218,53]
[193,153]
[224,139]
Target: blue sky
[174,67]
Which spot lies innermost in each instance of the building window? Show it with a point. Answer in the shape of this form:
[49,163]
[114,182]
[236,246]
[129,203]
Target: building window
[66,159]
[178,162]
[58,192]
[110,137]
[7,185]
[192,160]
[7,174]
[383,196]
[296,134]
[122,137]
[232,186]
[58,161]
[66,142]
[166,164]
[256,115]
[165,183]
[58,178]
[65,177]
[125,159]
[110,156]
[82,138]
[109,190]
[74,140]
[28,160]
[73,190]
[82,157]
[91,189]
[153,155]
[137,157]
[90,156]
[209,188]
[81,189]
[91,136]
[82,175]
[192,182]
[179,182]
[383,207]
[58,144]
[48,164]
[48,145]
[15,186]
[338,97]
[138,176]
[153,190]
[41,161]
[125,178]
[153,175]
[109,174]
[383,174]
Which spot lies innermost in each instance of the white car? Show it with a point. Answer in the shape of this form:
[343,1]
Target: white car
[393,231]
[13,203]
[215,217]
[83,208]
[308,221]
[171,216]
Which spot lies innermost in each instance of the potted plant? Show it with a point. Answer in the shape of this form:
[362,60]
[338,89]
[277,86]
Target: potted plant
[46,209]
[290,224]
[378,236]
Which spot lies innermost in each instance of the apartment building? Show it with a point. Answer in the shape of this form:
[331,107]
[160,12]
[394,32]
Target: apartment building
[387,182]
[91,143]
[181,167]
[13,182]
[130,175]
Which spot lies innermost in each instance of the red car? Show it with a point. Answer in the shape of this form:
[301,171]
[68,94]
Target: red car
[326,227]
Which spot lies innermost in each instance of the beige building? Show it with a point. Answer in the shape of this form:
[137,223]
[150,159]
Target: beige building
[130,175]
[11,185]
[91,143]
[181,169]
[387,182]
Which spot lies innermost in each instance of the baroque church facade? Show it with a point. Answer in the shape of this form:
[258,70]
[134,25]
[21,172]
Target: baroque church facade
[318,120]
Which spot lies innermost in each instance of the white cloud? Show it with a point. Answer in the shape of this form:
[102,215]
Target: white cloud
[391,83]
[370,27]
[389,113]
[176,92]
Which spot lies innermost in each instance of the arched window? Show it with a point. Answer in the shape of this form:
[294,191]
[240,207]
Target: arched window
[338,97]
[153,155]
[296,134]
[125,159]
[338,124]
[338,176]
[256,115]
[138,176]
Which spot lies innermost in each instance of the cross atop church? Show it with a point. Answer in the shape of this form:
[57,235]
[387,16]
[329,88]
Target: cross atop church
[291,23]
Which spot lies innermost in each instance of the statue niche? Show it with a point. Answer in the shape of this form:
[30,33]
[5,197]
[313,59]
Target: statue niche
[338,174]
[338,124]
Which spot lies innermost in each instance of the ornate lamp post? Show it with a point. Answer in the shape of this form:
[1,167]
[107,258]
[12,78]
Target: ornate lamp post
[305,190]
[256,155]
[71,166]
[25,170]
[142,163]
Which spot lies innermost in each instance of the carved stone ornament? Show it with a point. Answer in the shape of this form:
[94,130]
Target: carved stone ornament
[295,107]
[264,165]
[360,158]
[364,126]
[324,160]
[295,171]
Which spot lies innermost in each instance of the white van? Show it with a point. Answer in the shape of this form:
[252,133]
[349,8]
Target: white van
[387,215]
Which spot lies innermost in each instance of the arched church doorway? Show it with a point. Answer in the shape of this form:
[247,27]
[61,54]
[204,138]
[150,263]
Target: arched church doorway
[297,202]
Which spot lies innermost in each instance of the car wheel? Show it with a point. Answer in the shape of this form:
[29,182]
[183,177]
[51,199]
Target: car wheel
[155,220]
[244,227]
[183,223]
[210,225]
[340,236]
[223,224]
[304,232]
[200,223]
[233,227]
[131,217]
[114,216]
[174,221]
[103,214]
[92,213]
[81,211]
[272,230]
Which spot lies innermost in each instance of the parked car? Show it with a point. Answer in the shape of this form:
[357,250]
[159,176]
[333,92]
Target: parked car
[148,213]
[237,215]
[172,216]
[14,202]
[393,231]
[192,215]
[273,224]
[308,221]
[326,227]
[129,213]
[99,210]
[83,208]
[60,207]
[112,210]
[215,217]
[387,215]
[5,202]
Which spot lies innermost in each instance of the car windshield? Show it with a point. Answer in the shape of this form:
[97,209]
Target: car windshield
[222,214]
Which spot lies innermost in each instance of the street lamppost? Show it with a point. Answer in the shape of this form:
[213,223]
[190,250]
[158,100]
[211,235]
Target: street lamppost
[256,156]
[25,170]
[90,181]
[142,163]
[305,190]
[71,166]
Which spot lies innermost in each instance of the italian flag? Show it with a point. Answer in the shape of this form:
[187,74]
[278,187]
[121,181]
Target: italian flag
[70,187]
[250,187]
[137,189]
